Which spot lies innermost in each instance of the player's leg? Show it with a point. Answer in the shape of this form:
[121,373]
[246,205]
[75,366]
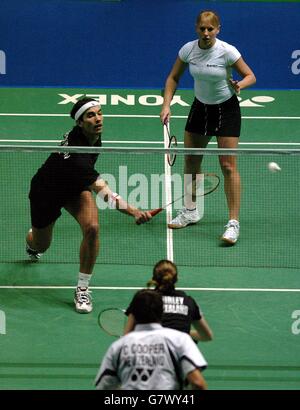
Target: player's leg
[43,214]
[232,187]
[38,241]
[192,167]
[85,211]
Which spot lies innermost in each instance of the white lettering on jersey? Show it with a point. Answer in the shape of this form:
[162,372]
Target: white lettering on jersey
[174,304]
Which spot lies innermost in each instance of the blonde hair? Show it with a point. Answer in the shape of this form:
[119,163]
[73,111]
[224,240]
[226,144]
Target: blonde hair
[164,275]
[211,15]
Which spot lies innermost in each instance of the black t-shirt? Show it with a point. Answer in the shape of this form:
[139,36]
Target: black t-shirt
[180,310]
[65,175]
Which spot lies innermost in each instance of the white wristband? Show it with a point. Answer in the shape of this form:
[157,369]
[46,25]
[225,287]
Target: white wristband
[112,200]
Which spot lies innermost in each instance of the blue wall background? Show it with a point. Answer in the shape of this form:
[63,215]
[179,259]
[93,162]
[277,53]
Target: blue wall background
[133,43]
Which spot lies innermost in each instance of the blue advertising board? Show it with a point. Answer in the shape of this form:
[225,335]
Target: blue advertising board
[133,43]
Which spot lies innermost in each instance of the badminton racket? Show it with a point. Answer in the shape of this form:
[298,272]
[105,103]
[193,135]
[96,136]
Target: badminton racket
[171,157]
[210,183]
[112,321]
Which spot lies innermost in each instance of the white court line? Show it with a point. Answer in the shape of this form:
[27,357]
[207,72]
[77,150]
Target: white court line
[138,288]
[149,142]
[141,116]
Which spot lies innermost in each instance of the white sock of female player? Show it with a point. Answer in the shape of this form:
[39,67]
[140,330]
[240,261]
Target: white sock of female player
[192,188]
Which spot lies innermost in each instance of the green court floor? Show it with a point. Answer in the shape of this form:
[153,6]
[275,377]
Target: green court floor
[249,293]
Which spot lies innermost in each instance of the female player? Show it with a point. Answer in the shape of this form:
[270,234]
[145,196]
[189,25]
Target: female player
[180,311]
[215,111]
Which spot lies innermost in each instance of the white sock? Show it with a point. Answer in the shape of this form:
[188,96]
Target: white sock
[188,201]
[192,188]
[83,280]
[233,220]
[189,204]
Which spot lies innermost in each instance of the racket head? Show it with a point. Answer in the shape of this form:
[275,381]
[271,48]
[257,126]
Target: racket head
[211,183]
[112,321]
[206,184]
[171,157]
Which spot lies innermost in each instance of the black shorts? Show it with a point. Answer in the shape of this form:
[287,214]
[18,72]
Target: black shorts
[44,211]
[221,120]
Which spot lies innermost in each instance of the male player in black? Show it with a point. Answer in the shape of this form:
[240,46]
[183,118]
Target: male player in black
[66,180]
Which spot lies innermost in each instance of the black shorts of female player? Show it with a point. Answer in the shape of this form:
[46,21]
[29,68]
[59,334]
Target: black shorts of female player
[221,120]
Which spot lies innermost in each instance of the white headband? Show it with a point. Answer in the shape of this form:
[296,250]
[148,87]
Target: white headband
[85,107]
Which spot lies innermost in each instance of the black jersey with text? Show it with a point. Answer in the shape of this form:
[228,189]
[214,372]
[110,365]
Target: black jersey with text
[179,310]
[65,175]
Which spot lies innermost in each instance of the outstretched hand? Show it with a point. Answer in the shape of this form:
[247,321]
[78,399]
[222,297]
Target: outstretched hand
[142,217]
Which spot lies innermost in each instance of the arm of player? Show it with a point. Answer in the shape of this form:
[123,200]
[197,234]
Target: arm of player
[107,376]
[192,362]
[170,88]
[196,380]
[248,77]
[201,331]
[115,201]
[130,324]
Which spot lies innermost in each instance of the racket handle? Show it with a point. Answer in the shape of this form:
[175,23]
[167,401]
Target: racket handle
[156,211]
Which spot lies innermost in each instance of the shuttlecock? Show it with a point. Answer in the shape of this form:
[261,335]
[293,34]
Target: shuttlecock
[273,167]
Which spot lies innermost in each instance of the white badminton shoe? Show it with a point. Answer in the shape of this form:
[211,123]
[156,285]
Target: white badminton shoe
[83,300]
[232,232]
[184,218]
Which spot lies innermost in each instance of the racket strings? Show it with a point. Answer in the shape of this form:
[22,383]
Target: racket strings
[171,157]
[112,321]
[211,183]
[205,185]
